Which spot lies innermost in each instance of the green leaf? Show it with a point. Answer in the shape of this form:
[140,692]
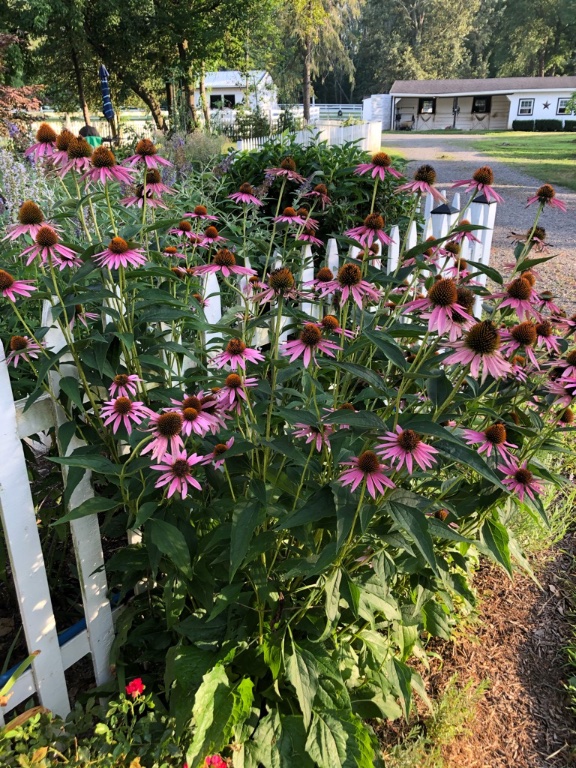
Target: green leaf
[439,389]
[332,590]
[399,676]
[69,385]
[88,461]
[358,371]
[436,621]
[89,507]
[302,672]
[359,419]
[340,740]
[318,507]
[494,536]
[186,665]
[469,457]
[171,542]
[415,523]
[245,518]
[388,346]
[492,273]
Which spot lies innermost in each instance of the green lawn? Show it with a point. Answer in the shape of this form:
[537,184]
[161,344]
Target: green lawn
[550,157]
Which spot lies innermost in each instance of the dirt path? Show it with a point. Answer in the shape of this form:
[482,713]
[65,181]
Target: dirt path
[453,159]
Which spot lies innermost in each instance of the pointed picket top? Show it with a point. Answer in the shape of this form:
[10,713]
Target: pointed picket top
[427,231]
[440,222]
[428,205]
[376,262]
[332,256]
[412,239]
[456,201]
[393,250]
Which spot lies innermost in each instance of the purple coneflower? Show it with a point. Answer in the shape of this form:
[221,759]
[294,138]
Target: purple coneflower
[184,229]
[199,414]
[60,155]
[223,261]
[379,166]
[201,213]
[309,342]
[521,296]
[287,170]
[45,143]
[146,153]
[423,184]
[314,434]
[290,216]
[122,410]
[320,192]
[546,338]
[124,385]
[323,277]
[83,316]
[349,283]
[405,447]
[546,195]
[120,254]
[166,429]
[546,302]
[371,230]
[280,283]
[568,365]
[218,456]
[537,239]
[459,237]
[232,393]
[139,198]
[308,236]
[521,337]
[173,253]
[105,168]
[245,195]
[481,183]
[236,354]
[366,467]
[480,350]
[22,348]
[177,472]
[48,247]
[563,389]
[331,324]
[155,184]
[30,221]
[444,313]
[492,438]
[79,153]
[210,237]
[520,480]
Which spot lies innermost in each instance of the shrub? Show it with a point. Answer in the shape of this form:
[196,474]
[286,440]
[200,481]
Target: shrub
[523,125]
[548,124]
[570,125]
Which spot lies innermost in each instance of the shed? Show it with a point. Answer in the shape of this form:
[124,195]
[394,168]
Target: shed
[229,88]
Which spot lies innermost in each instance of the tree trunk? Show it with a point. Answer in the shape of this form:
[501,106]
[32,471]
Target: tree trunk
[203,98]
[80,86]
[188,83]
[306,77]
[149,99]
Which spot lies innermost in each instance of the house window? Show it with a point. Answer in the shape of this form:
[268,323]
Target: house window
[561,108]
[481,104]
[525,107]
[427,106]
[217,101]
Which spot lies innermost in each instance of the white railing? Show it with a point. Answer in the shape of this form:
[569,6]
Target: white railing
[59,651]
[367,135]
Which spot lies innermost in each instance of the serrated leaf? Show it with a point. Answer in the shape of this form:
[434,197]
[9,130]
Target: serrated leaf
[89,507]
[416,524]
[494,536]
[340,740]
[245,518]
[171,542]
[302,672]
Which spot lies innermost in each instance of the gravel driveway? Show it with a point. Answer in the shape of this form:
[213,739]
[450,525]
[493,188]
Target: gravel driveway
[453,159]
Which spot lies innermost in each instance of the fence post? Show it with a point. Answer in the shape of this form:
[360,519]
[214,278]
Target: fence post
[393,250]
[477,212]
[308,274]
[332,257]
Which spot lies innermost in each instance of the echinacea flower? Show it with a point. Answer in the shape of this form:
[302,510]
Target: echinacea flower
[349,283]
[308,236]
[45,143]
[521,337]
[184,229]
[81,314]
[236,354]
[135,688]
[309,342]
[211,236]
[567,417]
[233,391]
[223,261]
[22,348]
[567,365]
[318,434]
[537,239]
[546,195]
[546,338]
[143,196]
[124,385]
[563,389]
[201,213]
[521,296]
[199,414]
[280,283]
[122,410]
[379,166]
[371,230]
[366,467]
[481,183]
[492,438]
[48,247]
[330,324]
[290,216]
[423,184]
[442,309]
[320,192]
[104,168]
[459,237]
[146,153]
[166,429]
[155,185]
[323,277]
[218,456]
[60,155]
[546,302]
[520,480]
[245,195]
[287,170]
[172,252]
[404,447]
[30,221]
[120,254]
[480,350]
[177,472]
[79,154]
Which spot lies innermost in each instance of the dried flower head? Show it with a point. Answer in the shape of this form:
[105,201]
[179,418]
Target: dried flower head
[30,213]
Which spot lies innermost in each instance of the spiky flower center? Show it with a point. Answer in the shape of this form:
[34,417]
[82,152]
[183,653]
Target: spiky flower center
[409,440]
[441,514]
[382,159]
[347,407]
[192,402]
[453,248]
[519,360]
[122,405]
[233,381]
[324,275]
[219,449]
[190,414]
[153,176]
[374,221]
[169,424]
[330,323]
[118,245]
[544,329]
[425,173]
[45,134]
[519,289]
[121,379]
[484,175]
[63,140]
[483,338]
[211,232]
[429,251]
[288,164]
[145,147]
[546,296]
[289,212]
[171,250]
[18,343]
[235,347]
[546,193]
[225,258]
[102,157]
[281,280]
[539,234]
[496,434]
[368,462]
[200,210]
[184,226]
[567,416]
[310,335]
[30,213]
[443,293]
[524,333]
[78,148]
[571,357]
[321,189]
[529,277]
[349,275]
[6,280]
[246,188]
[465,298]
[523,476]
[46,237]
[181,468]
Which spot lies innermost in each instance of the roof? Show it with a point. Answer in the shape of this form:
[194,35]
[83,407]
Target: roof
[483,85]
[233,78]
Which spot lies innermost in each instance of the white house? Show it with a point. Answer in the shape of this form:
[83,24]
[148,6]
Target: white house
[490,104]
[227,89]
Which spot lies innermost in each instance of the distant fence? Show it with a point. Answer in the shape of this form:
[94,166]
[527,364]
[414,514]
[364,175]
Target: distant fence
[368,136]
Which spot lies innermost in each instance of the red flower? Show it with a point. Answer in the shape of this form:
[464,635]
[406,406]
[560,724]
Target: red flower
[135,688]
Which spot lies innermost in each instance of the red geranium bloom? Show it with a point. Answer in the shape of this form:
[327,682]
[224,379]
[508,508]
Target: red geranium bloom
[135,688]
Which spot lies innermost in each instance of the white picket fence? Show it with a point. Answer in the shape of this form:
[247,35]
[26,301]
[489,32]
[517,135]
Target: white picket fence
[60,650]
[368,135]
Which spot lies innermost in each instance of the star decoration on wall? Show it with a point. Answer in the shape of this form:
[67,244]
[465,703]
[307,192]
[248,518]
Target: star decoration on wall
[546,104]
